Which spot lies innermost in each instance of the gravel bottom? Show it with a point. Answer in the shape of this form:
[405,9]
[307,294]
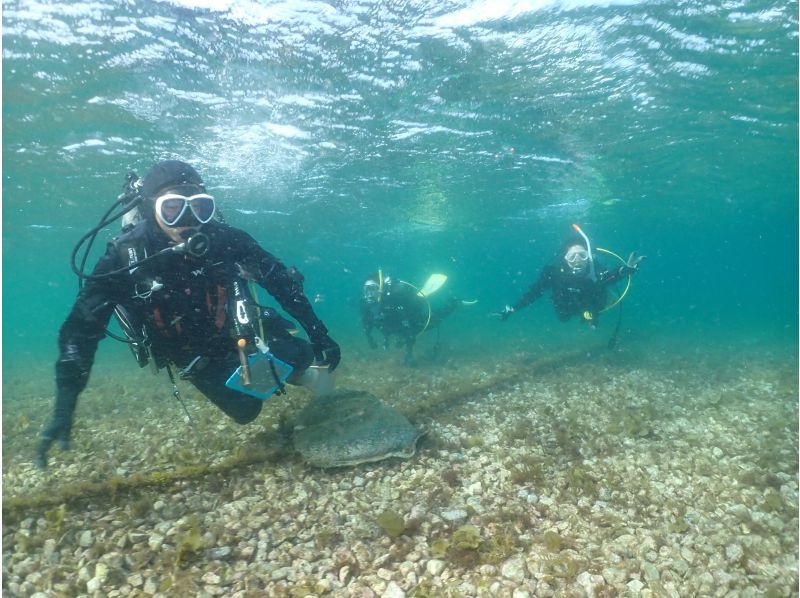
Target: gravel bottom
[600,477]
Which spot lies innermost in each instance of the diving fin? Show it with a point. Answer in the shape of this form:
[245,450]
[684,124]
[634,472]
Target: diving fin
[433,284]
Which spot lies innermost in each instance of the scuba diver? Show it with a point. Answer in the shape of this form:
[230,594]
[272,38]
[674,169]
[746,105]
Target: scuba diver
[579,284]
[177,282]
[399,309]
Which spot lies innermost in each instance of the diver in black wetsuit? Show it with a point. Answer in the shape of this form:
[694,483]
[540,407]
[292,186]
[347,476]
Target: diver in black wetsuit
[577,282]
[398,309]
[179,278]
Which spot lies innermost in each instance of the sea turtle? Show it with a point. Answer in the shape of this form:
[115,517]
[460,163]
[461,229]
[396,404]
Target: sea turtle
[349,427]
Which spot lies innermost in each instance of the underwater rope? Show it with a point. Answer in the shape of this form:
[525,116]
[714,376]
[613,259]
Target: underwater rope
[17,507]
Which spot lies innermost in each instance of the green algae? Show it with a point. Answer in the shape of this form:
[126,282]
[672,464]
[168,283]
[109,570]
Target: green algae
[16,507]
[392,523]
[466,537]
[552,541]
[189,541]
[55,519]
[439,548]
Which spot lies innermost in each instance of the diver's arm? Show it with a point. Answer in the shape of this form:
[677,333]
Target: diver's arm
[77,342]
[286,285]
[627,269]
[537,289]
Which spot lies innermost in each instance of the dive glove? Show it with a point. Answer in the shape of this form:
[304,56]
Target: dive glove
[632,265]
[326,350]
[506,313]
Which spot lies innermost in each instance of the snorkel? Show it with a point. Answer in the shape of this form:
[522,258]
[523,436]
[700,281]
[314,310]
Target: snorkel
[592,275]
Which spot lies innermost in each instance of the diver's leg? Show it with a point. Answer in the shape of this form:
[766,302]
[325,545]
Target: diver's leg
[210,380]
[409,358]
[297,352]
[442,312]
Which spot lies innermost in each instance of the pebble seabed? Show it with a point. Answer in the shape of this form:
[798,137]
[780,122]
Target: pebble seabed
[572,477]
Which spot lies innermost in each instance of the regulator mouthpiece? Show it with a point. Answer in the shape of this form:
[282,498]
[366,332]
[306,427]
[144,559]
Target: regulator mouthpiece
[196,244]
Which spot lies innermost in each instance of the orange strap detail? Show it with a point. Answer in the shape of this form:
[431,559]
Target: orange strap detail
[157,317]
[222,298]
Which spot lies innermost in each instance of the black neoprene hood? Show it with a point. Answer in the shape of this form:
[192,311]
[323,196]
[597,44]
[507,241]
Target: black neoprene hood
[169,173]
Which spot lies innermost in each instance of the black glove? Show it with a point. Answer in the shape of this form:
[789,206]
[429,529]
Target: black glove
[326,350]
[506,313]
[632,265]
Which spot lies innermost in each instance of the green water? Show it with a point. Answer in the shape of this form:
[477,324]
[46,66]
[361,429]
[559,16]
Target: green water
[424,136]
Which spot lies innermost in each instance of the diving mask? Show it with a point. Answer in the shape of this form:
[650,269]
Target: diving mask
[176,209]
[577,258]
[371,291]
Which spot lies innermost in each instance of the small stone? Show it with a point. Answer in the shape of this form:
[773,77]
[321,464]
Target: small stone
[487,570]
[155,541]
[358,481]
[86,539]
[680,567]
[281,573]
[135,580]
[520,594]
[100,570]
[94,585]
[467,589]
[741,512]
[211,578]
[687,554]
[393,591]
[49,547]
[220,552]
[613,575]
[405,568]
[635,586]
[150,586]
[454,515]
[650,572]
[384,574]
[434,567]
[733,553]
[514,569]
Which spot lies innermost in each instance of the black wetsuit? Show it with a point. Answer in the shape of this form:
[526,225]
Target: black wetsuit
[573,294]
[184,303]
[403,314]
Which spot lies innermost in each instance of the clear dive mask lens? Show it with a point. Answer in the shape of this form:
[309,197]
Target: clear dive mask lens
[172,208]
[577,258]
[370,291]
